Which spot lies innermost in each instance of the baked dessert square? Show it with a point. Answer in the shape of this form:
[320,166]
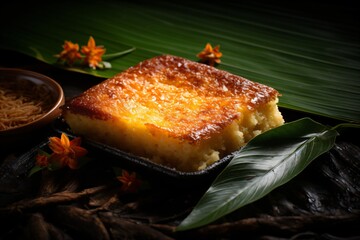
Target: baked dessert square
[175,112]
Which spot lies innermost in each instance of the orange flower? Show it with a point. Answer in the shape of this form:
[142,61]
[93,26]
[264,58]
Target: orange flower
[210,55]
[70,53]
[66,152]
[93,54]
[129,181]
[42,160]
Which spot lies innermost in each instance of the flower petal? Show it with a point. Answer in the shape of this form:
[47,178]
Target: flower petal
[79,151]
[72,163]
[65,140]
[75,142]
[55,145]
[91,42]
[41,160]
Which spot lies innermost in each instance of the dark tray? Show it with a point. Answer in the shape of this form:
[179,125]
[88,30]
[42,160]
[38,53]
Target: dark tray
[143,165]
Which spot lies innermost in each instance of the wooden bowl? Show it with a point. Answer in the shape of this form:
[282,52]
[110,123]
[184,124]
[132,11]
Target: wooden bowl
[35,85]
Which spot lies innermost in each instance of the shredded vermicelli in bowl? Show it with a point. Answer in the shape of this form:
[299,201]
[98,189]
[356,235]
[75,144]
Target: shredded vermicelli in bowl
[22,102]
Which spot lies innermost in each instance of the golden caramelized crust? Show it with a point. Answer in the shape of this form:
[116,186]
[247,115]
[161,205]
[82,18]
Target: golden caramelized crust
[185,100]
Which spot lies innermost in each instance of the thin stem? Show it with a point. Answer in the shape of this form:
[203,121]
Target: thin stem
[118,54]
[346,125]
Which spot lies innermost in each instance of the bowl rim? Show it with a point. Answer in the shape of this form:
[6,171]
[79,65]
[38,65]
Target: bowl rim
[45,79]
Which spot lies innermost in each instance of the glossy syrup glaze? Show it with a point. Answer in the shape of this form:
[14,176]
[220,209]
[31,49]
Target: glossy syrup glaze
[187,100]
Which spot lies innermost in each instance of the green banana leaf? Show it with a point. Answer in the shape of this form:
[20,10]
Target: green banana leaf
[312,61]
[268,161]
